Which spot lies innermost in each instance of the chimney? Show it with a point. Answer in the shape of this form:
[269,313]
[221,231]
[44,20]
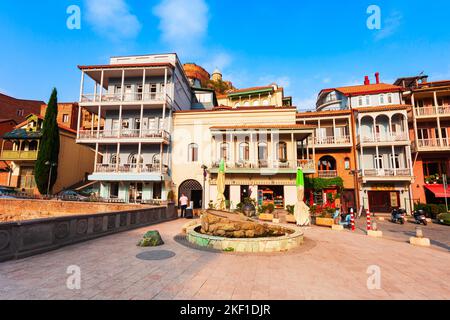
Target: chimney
[366,81]
[377,76]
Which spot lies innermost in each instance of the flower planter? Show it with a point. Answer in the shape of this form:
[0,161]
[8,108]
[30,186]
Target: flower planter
[324,222]
[266,217]
[290,218]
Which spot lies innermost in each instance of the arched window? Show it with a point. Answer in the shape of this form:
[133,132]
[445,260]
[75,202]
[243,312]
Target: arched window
[266,102]
[382,100]
[262,151]
[256,103]
[367,100]
[327,163]
[360,101]
[113,159]
[244,152]
[224,151]
[133,159]
[282,151]
[247,104]
[156,159]
[390,98]
[193,152]
[237,105]
[347,163]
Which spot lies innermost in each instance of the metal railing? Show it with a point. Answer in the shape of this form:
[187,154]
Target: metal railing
[330,140]
[130,97]
[403,172]
[267,164]
[131,168]
[123,134]
[389,137]
[327,173]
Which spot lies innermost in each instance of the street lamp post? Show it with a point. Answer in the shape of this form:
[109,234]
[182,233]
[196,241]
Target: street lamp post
[205,175]
[52,165]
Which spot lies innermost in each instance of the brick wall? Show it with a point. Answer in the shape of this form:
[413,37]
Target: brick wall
[10,106]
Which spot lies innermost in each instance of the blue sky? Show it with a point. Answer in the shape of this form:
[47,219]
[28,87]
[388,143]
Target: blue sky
[303,45]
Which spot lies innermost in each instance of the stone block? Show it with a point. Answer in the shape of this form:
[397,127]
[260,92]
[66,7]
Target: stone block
[375,234]
[421,242]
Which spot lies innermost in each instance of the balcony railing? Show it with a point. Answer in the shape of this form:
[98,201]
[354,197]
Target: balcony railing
[404,172]
[433,143]
[127,97]
[327,173]
[131,168]
[433,110]
[393,137]
[124,134]
[266,164]
[18,155]
[330,140]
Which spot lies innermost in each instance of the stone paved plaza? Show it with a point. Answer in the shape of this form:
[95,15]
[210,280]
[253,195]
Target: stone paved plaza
[330,265]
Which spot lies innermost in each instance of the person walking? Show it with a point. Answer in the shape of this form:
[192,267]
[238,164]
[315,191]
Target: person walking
[184,200]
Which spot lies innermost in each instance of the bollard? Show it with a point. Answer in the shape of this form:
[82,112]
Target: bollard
[369,226]
[352,221]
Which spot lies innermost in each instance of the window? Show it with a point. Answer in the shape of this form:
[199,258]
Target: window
[133,160]
[420,103]
[247,104]
[347,163]
[65,118]
[237,105]
[327,163]
[262,151]
[390,98]
[125,124]
[156,159]
[332,96]
[367,100]
[282,151]
[423,134]
[382,99]
[193,152]
[20,112]
[137,124]
[256,103]
[224,151]
[266,102]
[244,152]
[395,160]
[378,162]
[360,101]
[113,159]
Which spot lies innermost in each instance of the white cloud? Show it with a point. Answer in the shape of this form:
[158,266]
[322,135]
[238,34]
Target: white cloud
[326,80]
[112,18]
[283,81]
[183,24]
[389,26]
[303,104]
[220,60]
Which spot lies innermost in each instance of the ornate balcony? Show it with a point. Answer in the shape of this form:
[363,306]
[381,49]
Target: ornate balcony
[327,174]
[127,97]
[308,166]
[124,134]
[330,141]
[131,168]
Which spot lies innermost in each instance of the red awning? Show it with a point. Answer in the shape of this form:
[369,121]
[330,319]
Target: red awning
[438,190]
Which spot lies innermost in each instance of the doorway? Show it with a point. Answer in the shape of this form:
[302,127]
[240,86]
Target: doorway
[383,201]
[194,191]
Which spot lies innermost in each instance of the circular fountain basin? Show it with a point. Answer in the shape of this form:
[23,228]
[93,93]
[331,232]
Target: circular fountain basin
[292,240]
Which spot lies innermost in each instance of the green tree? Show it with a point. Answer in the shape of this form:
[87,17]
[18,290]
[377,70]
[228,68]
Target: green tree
[49,147]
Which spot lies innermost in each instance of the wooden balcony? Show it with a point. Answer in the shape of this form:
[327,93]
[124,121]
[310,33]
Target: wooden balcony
[132,135]
[131,168]
[327,174]
[432,111]
[432,145]
[400,137]
[8,155]
[308,166]
[330,142]
[386,174]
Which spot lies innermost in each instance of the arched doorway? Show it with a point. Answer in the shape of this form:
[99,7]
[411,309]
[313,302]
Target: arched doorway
[194,191]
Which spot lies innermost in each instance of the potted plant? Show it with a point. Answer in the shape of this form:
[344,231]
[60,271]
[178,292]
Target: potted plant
[290,218]
[249,207]
[263,215]
[326,218]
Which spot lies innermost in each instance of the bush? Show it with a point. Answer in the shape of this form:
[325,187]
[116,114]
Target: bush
[239,207]
[290,209]
[270,208]
[262,209]
[444,218]
[431,210]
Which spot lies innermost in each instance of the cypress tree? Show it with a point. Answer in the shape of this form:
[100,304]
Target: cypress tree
[49,147]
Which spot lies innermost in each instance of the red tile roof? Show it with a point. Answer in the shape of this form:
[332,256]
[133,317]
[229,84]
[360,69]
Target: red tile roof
[323,113]
[373,88]
[124,66]
[239,109]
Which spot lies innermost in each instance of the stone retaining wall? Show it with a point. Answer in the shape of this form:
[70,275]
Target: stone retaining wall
[22,239]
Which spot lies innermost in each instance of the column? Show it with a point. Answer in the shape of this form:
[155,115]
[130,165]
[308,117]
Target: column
[361,159]
[141,124]
[416,135]
[441,142]
[393,161]
[334,130]
[79,122]
[294,149]
[119,133]
[161,158]
[82,86]
[139,162]
[436,105]
[96,157]
[101,85]
[377,161]
[99,120]
[165,95]
[118,157]
[122,90]
[143,84]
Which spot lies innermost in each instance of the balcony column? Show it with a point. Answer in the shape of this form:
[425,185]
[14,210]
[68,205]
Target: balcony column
[122,88]
[416,134]
[144,75]
[409,160]
[119,133]
[165,96]
[377,161]
[441,141]
[213,154]
[251,149]
[96,157]
[393,161]
[99,120]
[95,91]
[139,162]
[273,156]
[361,160]
[20,147]
[82,86]
[314,153]
[334,130]
[118,157]
[79,122]
[141,124]
[101,85]
[319,136]
[436,104]
[161,153]
[389,131]
[294,149]
[92,124]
